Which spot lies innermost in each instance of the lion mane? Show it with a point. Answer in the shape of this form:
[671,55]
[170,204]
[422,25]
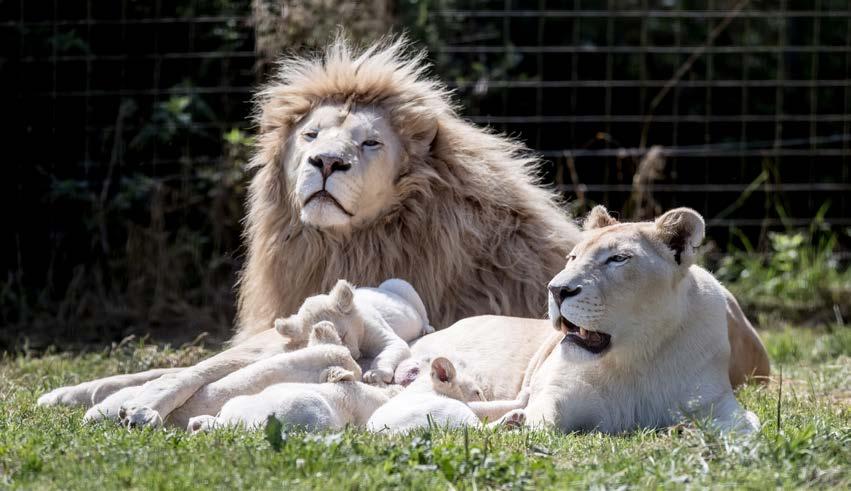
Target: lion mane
[470,226]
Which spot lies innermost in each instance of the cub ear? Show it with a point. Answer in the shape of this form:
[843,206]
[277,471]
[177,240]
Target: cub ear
[683,230]
[598,218]
[344,296]
[324,332]
[442,370]
[289,327]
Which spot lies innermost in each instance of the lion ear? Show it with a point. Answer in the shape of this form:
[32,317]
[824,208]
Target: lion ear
[422,140]
[344,296]
[682,230]
[442,371]
[598,218]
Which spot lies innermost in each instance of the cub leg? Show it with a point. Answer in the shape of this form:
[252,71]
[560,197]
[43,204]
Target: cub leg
[493,410]
[391,351]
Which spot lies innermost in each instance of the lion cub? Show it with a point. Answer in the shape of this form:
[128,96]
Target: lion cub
[645,333]
[447,399]
[310,406]
[373,322]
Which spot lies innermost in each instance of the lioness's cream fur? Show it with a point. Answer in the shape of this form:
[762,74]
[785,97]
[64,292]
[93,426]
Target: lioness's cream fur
[645,333]
[373,322]
[443,397]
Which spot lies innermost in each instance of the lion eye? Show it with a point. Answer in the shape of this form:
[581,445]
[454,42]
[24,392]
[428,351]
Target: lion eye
[571,257]
[310,135]
[617,258]
[371,143]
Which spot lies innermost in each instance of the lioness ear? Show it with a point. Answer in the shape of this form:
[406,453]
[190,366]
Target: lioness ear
[598,218]
[344,296]
[681,229]
[324,332]
[442,370]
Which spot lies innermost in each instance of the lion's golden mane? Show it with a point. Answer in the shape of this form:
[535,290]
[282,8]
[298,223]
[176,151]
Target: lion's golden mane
[470,227]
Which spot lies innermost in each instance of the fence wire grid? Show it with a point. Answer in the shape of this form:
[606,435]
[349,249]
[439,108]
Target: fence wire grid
[745,104]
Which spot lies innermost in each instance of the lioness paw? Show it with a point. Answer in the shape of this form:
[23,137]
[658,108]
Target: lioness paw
[140,417]
[378,377]
[513,419]
[336,374]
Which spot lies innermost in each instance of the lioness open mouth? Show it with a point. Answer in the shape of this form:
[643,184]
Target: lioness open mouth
[323,195]
[593,341]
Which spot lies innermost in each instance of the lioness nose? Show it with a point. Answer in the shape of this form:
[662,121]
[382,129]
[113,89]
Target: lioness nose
[561,292]
[328,164]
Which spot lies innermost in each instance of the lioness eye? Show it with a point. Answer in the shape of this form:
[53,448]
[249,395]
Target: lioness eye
[310,135]
[617,258]
[371,143]
[571,257]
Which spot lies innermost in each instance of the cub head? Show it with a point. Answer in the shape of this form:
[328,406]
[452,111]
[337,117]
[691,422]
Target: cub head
[446,381]
[619,289]
[336,309]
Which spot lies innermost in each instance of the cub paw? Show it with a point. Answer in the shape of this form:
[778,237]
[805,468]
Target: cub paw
[514,419]
[427,330]
[336,374]
[201,423]
[378,377]
[139,417]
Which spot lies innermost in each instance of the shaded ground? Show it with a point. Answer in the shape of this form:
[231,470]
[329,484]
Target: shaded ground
[50,449]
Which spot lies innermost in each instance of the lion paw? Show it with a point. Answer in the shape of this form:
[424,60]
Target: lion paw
[336,374]
[140,417]
[378,377]
[75,395]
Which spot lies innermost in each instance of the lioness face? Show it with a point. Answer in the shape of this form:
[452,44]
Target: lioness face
[620,278]
[341,165]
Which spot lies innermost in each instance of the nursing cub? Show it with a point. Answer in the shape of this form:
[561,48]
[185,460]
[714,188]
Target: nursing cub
[372,322]
[645,333]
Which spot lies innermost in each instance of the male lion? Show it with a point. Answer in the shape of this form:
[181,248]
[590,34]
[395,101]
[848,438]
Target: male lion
[364,171]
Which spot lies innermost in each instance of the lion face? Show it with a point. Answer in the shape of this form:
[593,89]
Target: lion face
[617,291]
[342,165]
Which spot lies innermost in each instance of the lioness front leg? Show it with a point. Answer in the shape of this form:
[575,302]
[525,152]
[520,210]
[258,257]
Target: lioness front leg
[494,410]
[160,397]
[93,392]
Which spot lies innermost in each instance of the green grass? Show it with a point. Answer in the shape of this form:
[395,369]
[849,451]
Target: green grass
[48,448]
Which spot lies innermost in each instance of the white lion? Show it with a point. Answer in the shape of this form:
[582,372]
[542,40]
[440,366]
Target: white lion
[644,333]
[444,398]
[372,322]
[310,406]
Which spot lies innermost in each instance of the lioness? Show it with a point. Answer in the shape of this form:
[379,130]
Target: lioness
[644,332]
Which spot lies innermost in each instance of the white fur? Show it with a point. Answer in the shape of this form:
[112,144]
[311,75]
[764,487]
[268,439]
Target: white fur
[311,406]
[669,354]
[372,322]
[444,398]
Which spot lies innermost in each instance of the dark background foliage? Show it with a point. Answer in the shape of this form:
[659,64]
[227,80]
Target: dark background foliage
[128,130]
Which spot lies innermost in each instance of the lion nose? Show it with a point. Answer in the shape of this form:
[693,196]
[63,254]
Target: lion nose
[328,164]
[561,292]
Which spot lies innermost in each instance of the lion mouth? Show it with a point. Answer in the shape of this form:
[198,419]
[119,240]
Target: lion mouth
[323,195]
[593,341]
